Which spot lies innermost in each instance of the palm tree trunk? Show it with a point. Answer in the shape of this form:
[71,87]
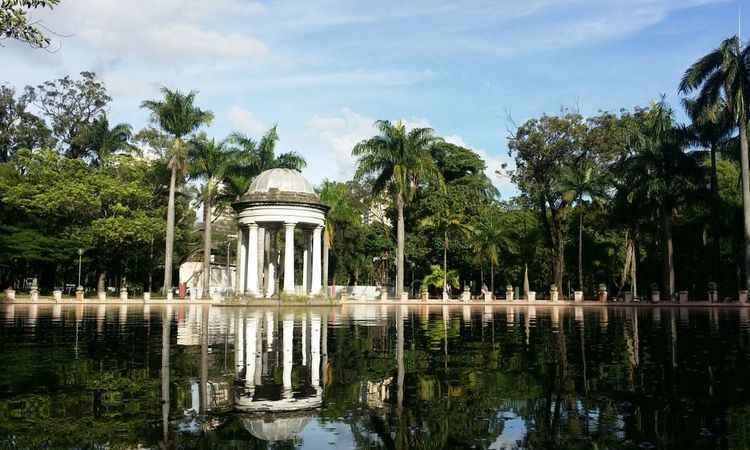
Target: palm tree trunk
[745,194]
[668,250]
[207,243]
[170,233]
[492,277]
[716,244]
[400,237]
[580,251]
[445,262]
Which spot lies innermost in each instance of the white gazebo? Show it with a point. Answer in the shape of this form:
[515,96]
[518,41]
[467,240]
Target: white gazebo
[279,199]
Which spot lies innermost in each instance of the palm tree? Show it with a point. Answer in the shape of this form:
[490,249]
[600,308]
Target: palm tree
[659,176]
[398,160]
[447,223]
[99,142]
[579,182]
[490,239]
[711,128]
[724,75]
[177,115]
[210,161]
[256,157]
[336,197]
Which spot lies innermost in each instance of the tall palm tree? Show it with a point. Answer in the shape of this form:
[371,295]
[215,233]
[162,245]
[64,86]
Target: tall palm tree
[258,156]
[399,160]
[583,182]
[177,115]
[448,223]
[711,128]
[489,239]
[210,162]
[336,196]
[98,142]
[724,75]
[660,176]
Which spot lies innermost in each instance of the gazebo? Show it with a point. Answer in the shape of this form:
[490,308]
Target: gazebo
[279,199]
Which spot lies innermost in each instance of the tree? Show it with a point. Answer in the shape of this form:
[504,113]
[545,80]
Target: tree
[711,127]
[98,142]
[70,106]
[723,76]
[544,149]
[19,128]
[177,115]
[15,24]
[581,181]
[399,162]
[660,176]
[210,162]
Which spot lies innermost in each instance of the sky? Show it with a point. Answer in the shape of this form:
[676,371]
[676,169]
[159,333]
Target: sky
[325,70]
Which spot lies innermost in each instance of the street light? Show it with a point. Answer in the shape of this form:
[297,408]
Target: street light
[80,256]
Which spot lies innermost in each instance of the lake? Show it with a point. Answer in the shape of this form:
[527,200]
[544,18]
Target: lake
[374,376]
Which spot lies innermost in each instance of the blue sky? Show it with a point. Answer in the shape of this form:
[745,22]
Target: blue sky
[324,70]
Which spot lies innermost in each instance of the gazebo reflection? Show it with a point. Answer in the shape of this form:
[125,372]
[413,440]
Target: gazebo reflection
[273,409]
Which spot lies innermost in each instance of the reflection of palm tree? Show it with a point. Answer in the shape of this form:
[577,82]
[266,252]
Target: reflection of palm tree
[204,361]
[165,340]
[400,357]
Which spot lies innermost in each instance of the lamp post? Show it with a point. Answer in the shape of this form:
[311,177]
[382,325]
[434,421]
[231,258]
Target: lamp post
[80,257]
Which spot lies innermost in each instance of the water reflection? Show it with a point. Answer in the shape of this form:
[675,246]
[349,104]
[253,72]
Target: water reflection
[373,376]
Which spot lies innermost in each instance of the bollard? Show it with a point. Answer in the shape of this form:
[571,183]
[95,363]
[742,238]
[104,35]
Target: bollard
[445,296]
[57,295]
[743,297]
[683,297]
[655,293]
[487,296]
[627,297]
[425,295]
[384,295]
[602,293]
[404,296]
[531,297]
[102,296]
[34,294]
[578,296]
[146,297]
[170,296]
[713,292]
[508,293]
[79,294]
[466,295]
[124,294]
[554,295]
[10,294]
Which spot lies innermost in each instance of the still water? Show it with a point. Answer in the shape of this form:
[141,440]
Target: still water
[389,377]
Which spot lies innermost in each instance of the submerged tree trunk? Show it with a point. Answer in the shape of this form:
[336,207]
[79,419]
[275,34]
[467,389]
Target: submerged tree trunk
[400,236]
[170,232]
[668,250]
[745,169]
[207,243]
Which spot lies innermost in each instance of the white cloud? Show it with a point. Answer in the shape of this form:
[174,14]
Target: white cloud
[246,122]
[336,136]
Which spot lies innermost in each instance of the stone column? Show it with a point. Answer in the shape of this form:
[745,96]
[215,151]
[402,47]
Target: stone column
[252,260]
[289,258]
[317,264]
[271,269]
[251,330]
[305,264]
[239,344]
[315,350]
[261,258]
[241,260]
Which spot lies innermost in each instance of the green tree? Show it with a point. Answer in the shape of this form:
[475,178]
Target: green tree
[583,182]
[178,116]
[70,106]
[660,176]
[399,161]
[99,142]
[19,128]
[544,149]
[209,162]
[722,75]
[15,23]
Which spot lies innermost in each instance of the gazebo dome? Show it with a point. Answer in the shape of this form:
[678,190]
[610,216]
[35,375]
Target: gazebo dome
[282,180]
